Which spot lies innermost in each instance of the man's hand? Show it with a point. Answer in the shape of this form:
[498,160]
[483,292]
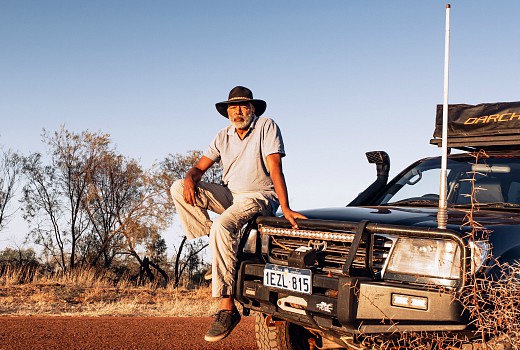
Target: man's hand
[192,177]
[292,215]
[190,191]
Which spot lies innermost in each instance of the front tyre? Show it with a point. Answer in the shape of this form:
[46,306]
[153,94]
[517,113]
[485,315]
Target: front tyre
[281,335]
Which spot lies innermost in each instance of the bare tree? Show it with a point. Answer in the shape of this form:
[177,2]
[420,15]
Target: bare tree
[10,170]
[90,204]
[187,258]
[54,193]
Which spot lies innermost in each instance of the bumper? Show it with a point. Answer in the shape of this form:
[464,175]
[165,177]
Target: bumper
[351,305]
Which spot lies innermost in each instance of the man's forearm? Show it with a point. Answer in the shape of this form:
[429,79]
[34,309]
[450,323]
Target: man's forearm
[280,187]
[194,174]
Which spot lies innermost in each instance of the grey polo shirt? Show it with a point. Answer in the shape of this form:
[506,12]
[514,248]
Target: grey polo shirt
[245,161]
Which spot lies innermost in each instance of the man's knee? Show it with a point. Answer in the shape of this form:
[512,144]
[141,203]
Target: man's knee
[177,189]
[232,219]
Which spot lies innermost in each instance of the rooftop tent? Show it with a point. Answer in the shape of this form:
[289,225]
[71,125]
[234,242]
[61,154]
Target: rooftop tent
[485,124]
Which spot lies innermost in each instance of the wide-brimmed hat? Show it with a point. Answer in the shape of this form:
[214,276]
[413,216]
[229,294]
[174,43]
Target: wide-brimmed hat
[241,94]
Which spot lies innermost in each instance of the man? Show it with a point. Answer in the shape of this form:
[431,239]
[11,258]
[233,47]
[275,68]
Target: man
[251,151]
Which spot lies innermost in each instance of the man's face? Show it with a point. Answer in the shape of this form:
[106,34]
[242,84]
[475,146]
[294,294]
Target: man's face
[241,115]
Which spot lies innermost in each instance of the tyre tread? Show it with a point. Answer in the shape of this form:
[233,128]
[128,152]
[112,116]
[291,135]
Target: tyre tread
[270,338]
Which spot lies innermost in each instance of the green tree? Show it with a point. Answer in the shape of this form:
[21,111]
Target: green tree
[112,191]
[19,257]
[128,210]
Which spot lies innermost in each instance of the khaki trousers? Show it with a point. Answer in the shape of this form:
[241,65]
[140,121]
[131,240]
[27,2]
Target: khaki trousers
[235,210]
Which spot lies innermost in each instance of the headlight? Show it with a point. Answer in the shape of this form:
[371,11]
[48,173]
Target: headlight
[420,257]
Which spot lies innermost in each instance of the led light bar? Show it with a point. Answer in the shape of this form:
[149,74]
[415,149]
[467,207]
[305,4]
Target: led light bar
[289,232]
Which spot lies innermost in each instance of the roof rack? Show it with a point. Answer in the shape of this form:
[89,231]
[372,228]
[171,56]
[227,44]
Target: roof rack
[486,125]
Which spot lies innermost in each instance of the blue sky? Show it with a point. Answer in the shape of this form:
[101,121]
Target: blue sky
[339,77]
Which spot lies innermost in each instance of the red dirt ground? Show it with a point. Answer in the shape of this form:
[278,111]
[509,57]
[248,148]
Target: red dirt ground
[100,333]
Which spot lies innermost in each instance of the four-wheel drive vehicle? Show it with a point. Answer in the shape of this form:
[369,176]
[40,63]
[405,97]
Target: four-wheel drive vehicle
[380,266]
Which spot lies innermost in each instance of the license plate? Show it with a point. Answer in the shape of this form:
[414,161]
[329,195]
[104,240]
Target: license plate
[288,278]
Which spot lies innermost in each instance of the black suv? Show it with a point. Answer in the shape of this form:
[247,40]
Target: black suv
[353,276]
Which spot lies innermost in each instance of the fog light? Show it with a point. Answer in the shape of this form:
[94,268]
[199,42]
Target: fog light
[479,253]
[410,301]
[250,246]
[264,239]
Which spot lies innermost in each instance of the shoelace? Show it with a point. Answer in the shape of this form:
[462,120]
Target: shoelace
[221,315]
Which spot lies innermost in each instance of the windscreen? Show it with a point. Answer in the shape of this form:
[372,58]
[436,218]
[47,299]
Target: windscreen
[490,180]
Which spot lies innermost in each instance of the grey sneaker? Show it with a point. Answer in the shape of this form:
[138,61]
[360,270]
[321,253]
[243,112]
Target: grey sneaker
[224,323]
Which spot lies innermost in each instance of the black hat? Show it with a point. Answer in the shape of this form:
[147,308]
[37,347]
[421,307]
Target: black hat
[241,94]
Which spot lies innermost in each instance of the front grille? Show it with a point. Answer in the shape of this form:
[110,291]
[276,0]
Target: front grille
[332,249]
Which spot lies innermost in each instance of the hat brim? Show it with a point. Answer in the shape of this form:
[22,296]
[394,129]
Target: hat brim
[260,106]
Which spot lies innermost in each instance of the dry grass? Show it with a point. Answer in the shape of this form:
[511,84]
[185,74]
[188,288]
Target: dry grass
[85,293]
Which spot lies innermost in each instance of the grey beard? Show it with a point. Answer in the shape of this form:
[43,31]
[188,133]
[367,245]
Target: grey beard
[243,125]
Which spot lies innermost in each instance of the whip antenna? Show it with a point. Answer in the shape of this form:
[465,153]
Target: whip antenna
[442,214]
